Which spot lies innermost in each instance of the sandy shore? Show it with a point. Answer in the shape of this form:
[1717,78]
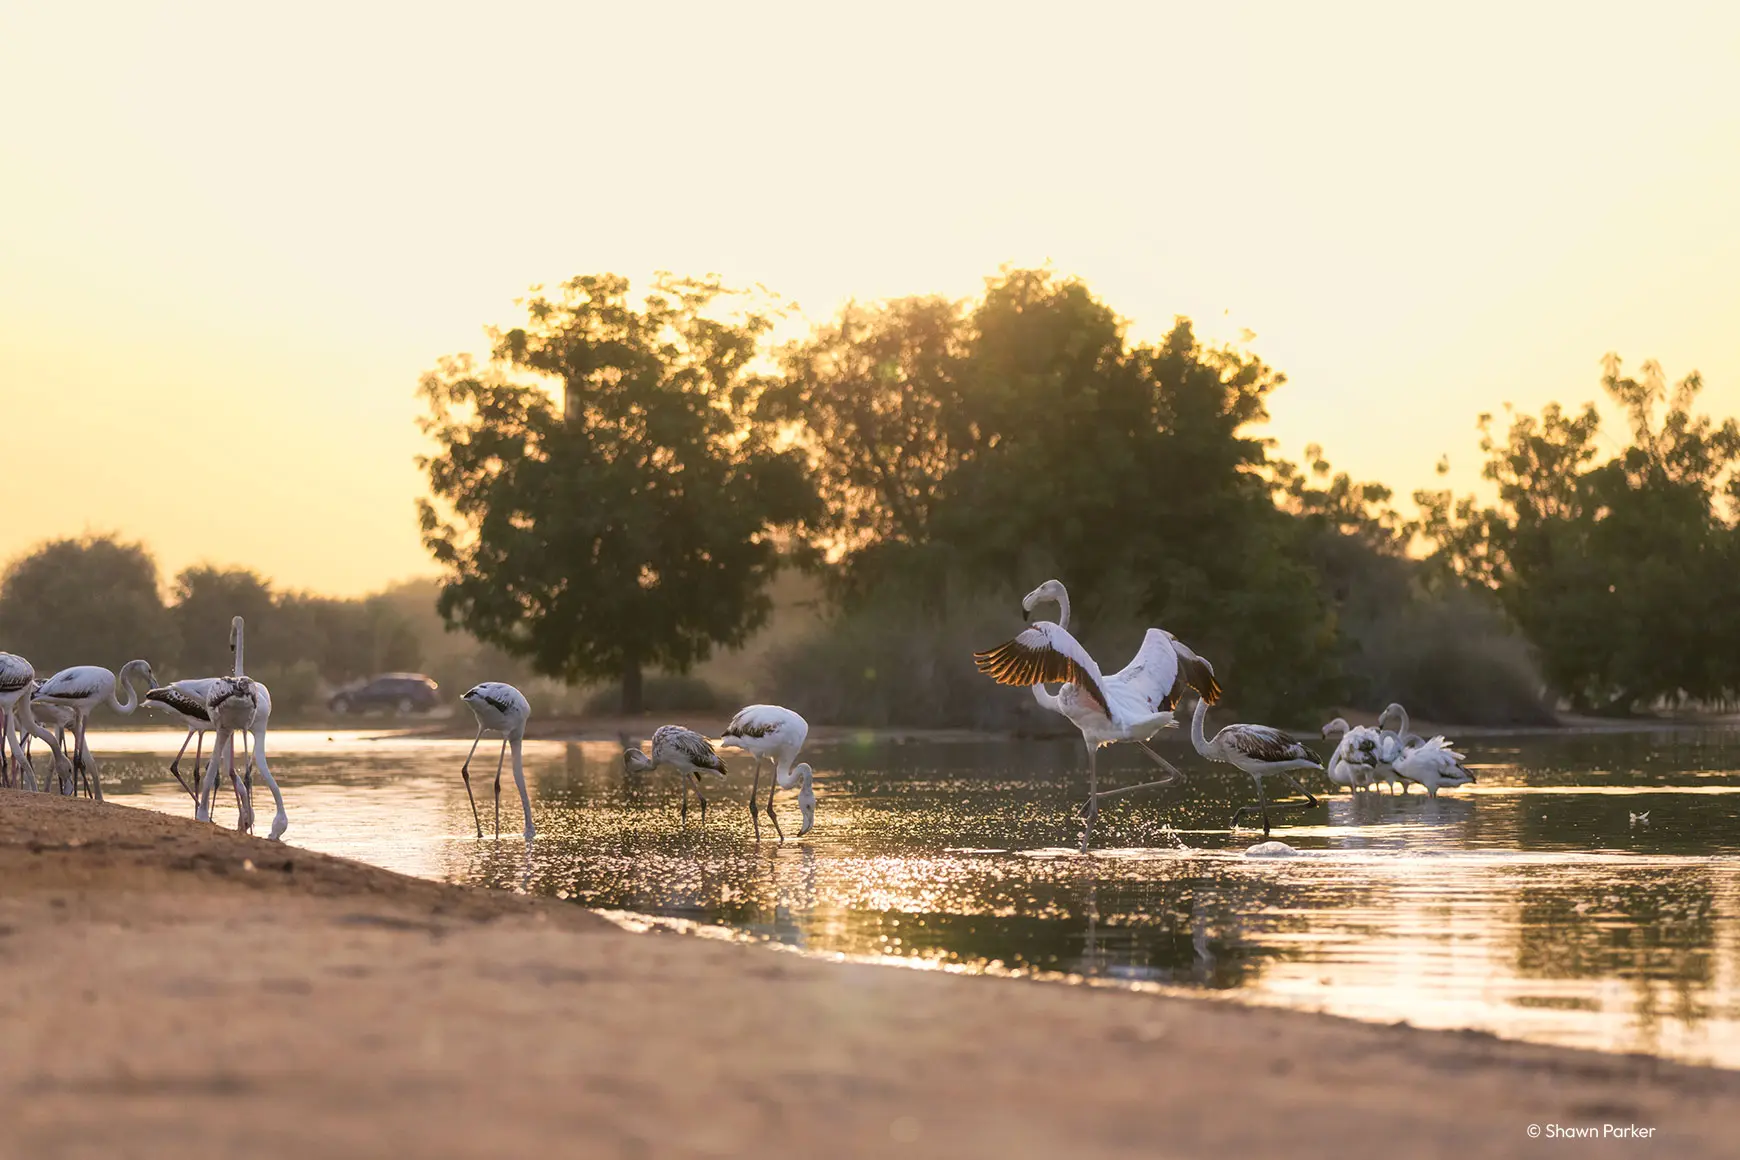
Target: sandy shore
[175,990]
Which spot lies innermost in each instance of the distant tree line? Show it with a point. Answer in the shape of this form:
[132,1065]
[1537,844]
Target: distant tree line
[99,600]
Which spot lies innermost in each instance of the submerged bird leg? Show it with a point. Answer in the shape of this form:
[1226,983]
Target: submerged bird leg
[754,792]
[1262,806]
[700,797]
[1093,802]
[498,764]
[771,815]
[465,772]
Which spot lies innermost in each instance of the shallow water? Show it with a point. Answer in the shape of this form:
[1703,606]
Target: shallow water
[1533,905]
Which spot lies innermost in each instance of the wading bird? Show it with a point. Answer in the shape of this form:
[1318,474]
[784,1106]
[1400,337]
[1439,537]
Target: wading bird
[1260,751]
[684,750]
[1434,765]
[802,777]
[17,682]
[1394,744]
[502,709]
[1354,763]
[82,689]
[1131,704]
[210,688]
[773,734]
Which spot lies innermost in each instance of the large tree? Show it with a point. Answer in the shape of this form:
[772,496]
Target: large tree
[87,601]
[636,522]
[1619,569]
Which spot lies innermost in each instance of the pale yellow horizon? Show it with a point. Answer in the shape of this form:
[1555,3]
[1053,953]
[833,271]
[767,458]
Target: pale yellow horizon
[232,238]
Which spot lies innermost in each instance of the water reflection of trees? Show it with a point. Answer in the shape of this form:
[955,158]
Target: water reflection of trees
[1655,929]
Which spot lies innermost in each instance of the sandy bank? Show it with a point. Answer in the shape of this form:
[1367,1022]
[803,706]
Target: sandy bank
[172,989]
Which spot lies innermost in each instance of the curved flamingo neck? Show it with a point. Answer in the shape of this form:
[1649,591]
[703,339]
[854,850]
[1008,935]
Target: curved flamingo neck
[1062,607]
[1196,736]
[132,701]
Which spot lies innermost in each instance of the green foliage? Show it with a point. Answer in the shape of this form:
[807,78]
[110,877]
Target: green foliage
[637,524]
[1023,437]
[88,601]
[1618,570]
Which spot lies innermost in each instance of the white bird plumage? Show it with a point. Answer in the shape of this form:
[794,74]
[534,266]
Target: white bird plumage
[1259,750]
[1355,762]
[1434,765]
[18,723]
[1131,704]
[772,733]
[684,750]
[82,689]
[500,708]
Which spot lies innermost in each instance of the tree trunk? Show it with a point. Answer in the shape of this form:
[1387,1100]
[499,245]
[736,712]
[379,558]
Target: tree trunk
[632,701]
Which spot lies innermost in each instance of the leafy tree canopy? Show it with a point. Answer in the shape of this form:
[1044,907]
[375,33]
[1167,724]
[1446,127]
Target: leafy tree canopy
[637,523]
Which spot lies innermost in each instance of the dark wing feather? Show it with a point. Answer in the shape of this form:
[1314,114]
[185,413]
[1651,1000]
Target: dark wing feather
[695,748]
[1265,744]
[1018,662]
[1193,672]
[182,702]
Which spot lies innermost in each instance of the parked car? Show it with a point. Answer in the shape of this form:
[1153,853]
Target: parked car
[405,692]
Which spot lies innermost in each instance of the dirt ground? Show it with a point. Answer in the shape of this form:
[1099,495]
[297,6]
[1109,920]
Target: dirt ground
[175,990]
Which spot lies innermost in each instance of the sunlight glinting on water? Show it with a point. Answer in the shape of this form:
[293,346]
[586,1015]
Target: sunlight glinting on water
[1581,893]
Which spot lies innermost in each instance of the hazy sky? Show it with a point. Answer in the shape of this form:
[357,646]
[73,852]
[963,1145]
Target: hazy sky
[232,236]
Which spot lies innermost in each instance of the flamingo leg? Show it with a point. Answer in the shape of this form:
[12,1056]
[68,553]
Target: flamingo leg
[93,774]
[700,797]
[1262,806]
[175,766]
[1175,778]
[281,820]
[685,810]
[6,747]
[755,792]
[498,762]
[515,740]
[771,790]
[465,772]
[1093,806]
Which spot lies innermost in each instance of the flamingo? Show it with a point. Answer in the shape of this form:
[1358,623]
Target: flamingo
[684,750]
[776,734]
[801,776]
[227,699]
[1434,765]
[82,689]
[1259,750]
[1355,760]
[1395,743]
[17,682]
[186,701]
[505,710]
[1131,704]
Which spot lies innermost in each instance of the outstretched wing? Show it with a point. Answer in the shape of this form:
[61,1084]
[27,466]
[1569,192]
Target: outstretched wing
[1044,654]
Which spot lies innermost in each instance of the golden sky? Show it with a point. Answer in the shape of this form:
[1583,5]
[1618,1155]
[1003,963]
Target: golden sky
[232,236]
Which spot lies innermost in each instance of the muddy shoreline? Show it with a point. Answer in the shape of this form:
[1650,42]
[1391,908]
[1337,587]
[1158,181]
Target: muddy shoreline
[174,989]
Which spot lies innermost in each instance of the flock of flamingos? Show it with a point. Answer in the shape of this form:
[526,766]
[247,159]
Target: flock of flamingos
[1130,705]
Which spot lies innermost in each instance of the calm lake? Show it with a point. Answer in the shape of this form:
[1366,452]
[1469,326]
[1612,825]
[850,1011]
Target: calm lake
[1585,892]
